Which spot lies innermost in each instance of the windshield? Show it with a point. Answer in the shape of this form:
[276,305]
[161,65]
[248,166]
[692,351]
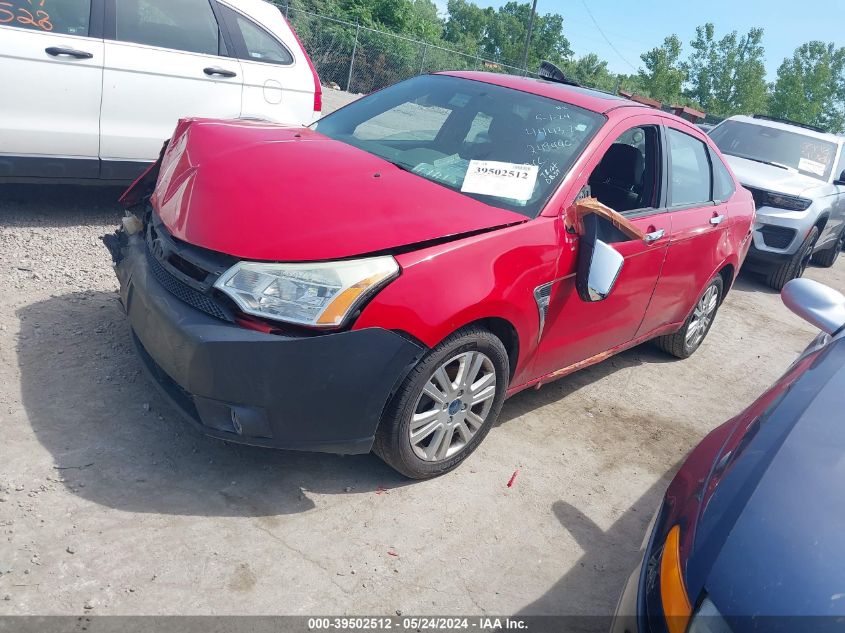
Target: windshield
[507,148]
[795,151]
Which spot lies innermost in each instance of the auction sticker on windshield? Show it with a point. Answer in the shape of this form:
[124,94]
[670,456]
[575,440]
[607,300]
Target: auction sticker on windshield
[805,164]
[503,180]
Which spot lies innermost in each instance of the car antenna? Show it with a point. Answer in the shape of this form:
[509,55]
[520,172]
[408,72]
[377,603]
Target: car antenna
[550,72]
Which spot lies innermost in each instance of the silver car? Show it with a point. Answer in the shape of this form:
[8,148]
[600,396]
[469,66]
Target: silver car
[797,176]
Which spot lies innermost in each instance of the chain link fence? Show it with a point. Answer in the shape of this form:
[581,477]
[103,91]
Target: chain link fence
[359,59]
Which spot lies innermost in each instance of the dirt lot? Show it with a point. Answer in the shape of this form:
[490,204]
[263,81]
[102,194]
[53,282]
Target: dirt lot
[109,504]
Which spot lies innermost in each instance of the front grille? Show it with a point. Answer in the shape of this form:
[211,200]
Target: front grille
[777,236]
[185,293]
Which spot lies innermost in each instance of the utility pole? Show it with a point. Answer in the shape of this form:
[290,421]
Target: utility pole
[528,37]
[352,59]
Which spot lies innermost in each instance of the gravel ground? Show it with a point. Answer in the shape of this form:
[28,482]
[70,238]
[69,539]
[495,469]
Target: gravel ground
[109,504]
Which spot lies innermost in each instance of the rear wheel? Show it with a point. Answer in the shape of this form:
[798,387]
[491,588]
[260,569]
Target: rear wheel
[796,265]
[828,256]
[445,406]
[685,341]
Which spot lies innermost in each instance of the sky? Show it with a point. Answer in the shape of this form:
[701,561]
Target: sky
[634,27]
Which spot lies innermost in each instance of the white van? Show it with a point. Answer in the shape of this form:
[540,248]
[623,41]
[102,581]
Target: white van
[92,88]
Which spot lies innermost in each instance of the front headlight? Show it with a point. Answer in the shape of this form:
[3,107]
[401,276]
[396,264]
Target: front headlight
[708,620]
[321,294]
[782,201]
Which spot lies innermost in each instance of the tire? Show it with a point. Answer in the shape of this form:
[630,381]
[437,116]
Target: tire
[828,256]
[683,343]
[452,417]
[796,265]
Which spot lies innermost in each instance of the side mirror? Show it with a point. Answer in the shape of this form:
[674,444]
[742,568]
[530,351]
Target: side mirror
[599,264]
[815,303]
[841,179]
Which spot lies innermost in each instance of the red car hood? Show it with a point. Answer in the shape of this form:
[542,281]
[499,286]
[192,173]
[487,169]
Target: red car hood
[265,192]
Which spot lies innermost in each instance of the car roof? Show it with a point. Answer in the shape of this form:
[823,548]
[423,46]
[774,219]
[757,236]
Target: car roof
[780,125]
[593,100]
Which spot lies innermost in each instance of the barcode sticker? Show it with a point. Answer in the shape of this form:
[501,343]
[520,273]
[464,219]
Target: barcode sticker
[503,180]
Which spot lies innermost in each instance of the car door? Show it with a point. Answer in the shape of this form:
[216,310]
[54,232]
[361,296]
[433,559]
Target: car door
[51,64]
[278,81]
[576,331]
[164,60]
[700,240]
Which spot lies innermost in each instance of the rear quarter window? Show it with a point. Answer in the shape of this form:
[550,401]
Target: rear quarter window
[252,42]
[723,183]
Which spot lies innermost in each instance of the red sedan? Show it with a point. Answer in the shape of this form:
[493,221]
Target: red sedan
[385,279]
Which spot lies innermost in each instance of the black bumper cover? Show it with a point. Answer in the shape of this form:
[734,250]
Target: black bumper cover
[762,261]
[321,393]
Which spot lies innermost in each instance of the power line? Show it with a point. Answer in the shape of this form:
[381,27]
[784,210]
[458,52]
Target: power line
[606,39]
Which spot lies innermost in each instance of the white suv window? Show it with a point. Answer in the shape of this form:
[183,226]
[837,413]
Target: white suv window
[840,168]
[68,17]
[186,25]
[261,46]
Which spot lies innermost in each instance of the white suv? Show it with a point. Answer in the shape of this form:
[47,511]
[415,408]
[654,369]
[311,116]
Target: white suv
[797,177]
[92,88]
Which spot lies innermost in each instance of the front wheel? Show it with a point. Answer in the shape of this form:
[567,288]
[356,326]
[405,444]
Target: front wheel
[828,257]
[445,406]
[795,266]
[689,338]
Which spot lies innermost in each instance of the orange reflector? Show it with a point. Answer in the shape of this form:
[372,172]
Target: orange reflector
[337,309]
[673,593]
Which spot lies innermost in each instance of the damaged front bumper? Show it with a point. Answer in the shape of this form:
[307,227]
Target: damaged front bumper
[316,392]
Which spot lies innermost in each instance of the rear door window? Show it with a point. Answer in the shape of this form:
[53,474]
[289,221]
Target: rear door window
[689,170]
[65,17]
[184,25]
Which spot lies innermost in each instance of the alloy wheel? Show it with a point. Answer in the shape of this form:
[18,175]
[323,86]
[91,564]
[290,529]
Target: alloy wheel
[453,406]
[702,316]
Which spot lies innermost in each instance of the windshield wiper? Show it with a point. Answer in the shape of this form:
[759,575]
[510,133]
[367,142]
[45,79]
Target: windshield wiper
[765,162]
[402,166]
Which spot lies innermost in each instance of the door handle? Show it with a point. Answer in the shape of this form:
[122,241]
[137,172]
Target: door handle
[220,72]
[716,220]
[652,237]
[58,51]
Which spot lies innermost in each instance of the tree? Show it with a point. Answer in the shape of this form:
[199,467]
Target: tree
[467,24]
[425,23]
[500,34]
[810,87]
[727,76]
[663,76]
[591,71]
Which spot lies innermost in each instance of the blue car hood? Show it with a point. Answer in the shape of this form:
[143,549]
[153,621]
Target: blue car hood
[770,539]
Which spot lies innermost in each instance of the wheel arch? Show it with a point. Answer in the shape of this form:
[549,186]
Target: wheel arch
[728,274]
[506,332]
[821,222]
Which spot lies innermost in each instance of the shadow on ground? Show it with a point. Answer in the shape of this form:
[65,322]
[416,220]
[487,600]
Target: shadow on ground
[59,205]
[610,556]
[119,443]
